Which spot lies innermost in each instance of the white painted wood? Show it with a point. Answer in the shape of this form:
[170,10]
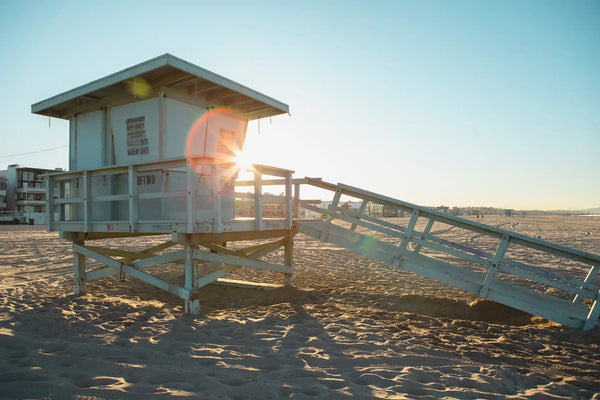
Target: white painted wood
[406,239]
[244,262]
[502,247]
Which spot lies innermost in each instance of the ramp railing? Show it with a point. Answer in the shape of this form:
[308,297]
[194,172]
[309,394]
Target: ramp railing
[547,279]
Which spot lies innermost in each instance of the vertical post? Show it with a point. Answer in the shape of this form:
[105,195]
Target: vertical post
[191,203]
[258,220]
[288,255]
[593,314]
[489,277]
[216,198]
[591,275]
[331,214]
[296,212]
[404,243]
[361,210]
[49,203]
[288,200]
[79,278]
[61,195]
[163,188]
[133,206]
[192,304]
[87,201]
[425,232]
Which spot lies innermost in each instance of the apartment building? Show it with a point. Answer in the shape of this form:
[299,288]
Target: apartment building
[23,195]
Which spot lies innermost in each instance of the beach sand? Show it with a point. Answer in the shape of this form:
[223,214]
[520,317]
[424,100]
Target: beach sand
[351,328]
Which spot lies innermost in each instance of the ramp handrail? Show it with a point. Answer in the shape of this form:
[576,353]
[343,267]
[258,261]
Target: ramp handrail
[583,292]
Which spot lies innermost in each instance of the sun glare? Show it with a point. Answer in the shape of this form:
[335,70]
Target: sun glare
[243,161]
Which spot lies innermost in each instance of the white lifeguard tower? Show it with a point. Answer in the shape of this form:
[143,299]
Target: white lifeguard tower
[152,151]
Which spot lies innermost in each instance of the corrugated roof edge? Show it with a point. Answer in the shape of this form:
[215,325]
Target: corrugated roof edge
[157,62]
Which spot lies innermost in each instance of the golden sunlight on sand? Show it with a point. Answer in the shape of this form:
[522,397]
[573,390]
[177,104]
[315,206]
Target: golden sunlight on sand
[352,328]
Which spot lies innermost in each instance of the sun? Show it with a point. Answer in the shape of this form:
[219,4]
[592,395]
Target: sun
[243,160]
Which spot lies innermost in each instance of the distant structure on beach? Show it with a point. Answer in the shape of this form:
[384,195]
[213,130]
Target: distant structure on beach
[23,195]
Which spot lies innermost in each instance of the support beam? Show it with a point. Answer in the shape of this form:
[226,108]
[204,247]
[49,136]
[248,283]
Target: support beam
[244,262]
[134,271]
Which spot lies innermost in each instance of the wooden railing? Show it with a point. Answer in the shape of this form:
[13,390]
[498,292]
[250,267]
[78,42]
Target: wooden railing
[187,196]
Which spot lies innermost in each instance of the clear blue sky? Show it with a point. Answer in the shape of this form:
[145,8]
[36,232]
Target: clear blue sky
[432,102]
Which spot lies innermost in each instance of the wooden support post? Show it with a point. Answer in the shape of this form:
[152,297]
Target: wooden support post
[79,278]
[192,304]
[361,211]
[404,243]
[425,232]
[288,255]
[258,220]
[489,277]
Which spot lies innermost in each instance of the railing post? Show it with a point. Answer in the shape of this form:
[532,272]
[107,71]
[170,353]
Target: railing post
[361,210]
[288,200]
[296,212]
[331,214]
[489,277]
[216,196]
[258,217]
[425,232]
[49,203]
[62,214]
[87,202]
[593,315]
[591,275]
[190,197]
[407,234]
[133,206]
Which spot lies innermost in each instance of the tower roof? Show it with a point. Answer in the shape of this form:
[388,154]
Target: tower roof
[157,75]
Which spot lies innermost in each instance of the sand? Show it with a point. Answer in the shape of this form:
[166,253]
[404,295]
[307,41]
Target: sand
[351,328]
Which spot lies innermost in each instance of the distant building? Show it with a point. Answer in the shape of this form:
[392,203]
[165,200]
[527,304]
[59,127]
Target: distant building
[3,181]
[23,195]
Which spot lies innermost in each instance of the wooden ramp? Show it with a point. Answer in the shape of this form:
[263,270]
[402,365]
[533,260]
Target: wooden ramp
[522,272]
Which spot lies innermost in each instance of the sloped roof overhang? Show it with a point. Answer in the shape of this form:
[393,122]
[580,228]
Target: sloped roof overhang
[161,74]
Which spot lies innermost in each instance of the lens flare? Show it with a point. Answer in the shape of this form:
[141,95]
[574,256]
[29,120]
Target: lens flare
[139,88]
[218,133]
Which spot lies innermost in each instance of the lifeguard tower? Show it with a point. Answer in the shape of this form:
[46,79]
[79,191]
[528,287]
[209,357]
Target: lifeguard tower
[152,152]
